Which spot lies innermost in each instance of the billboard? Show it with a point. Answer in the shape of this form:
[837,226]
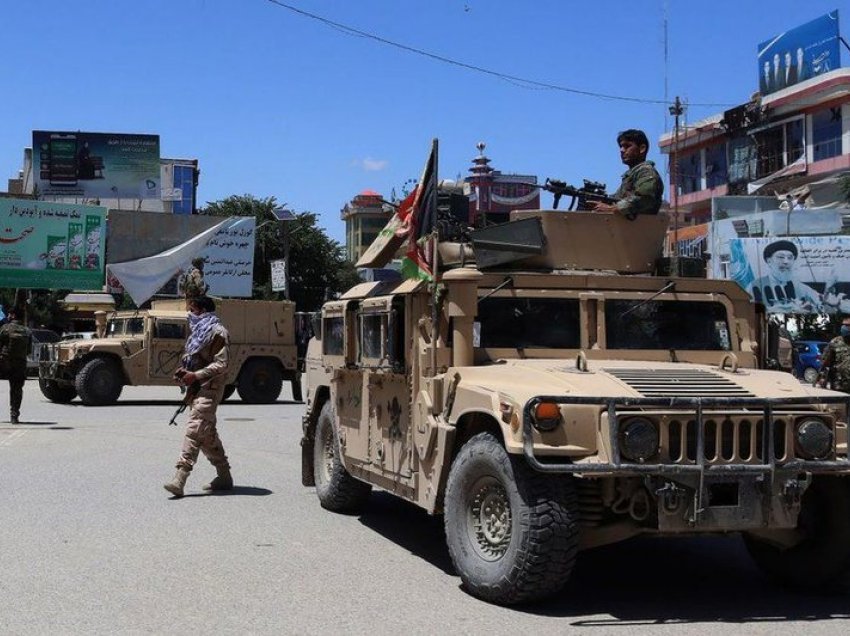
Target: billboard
[51,245]
[797,274]
[96,165]
[799,54]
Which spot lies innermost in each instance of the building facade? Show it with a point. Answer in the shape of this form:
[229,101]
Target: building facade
[365,216]
[794,141]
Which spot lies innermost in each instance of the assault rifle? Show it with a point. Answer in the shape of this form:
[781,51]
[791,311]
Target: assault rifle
[590,191]
[189,394]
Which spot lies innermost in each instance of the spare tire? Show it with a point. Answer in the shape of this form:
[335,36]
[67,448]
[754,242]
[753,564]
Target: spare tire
[260,381]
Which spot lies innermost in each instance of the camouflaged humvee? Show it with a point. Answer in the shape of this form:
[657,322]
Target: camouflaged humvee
[144,347]
[563,397]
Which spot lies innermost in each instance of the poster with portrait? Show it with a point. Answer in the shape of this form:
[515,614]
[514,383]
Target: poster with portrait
[795,274]
[799,54]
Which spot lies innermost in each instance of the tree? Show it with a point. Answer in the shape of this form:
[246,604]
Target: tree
[317,264]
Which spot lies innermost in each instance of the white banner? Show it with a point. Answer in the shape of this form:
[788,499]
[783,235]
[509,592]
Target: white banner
[796,274]
[228,253]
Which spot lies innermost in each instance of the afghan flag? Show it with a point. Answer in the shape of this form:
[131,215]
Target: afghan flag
[418,216]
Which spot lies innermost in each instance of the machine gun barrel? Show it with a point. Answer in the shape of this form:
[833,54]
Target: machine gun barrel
[590,191]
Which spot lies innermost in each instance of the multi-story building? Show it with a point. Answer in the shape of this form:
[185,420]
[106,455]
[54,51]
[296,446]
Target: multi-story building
[365,216]
[493,194]
[771,145]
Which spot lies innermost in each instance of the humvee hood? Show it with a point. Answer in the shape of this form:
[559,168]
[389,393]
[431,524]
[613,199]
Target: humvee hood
[524,379]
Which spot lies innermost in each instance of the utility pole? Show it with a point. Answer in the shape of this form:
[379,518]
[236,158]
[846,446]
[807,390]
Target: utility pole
[676,110]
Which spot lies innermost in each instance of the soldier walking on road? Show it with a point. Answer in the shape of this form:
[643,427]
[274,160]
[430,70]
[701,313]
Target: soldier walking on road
[835,362]
[15,346]
[204,363]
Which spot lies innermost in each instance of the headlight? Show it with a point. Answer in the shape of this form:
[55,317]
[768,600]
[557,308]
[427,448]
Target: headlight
[638,439]
[814,439]
[545,416]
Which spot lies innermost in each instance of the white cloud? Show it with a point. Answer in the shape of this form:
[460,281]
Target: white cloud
[371,165]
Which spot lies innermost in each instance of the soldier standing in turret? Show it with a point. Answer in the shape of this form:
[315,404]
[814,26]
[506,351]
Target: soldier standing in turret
[192,284]
[641,189]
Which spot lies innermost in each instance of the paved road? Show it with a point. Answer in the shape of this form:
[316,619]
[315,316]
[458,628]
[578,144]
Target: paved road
[91,543]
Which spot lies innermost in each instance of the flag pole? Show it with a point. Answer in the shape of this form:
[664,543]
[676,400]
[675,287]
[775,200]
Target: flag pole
[435,259]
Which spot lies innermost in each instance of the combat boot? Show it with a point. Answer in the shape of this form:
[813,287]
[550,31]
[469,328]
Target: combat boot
[175,486]
[13,418]
[222,481]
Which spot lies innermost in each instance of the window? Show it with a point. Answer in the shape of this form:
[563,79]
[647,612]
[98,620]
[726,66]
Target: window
[170,330]
[372,330]
[778,146]
[689,172]
[716,173]
[115,328]
[826,133]
[135,326]
[664,325]
[528,323]
[333,336]
[742,156]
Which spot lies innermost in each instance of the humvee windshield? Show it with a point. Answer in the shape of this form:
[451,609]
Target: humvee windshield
[663,324]
[125,326]
[528,323]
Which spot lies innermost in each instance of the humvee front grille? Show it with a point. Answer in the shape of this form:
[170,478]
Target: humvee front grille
[679,383]
[728,440]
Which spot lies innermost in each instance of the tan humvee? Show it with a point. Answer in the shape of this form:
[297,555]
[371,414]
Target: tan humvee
[144,347]
[545,409]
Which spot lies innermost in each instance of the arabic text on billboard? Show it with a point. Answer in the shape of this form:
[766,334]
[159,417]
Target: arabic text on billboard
[96,165]
[798,275]
[51,245]
[799,54]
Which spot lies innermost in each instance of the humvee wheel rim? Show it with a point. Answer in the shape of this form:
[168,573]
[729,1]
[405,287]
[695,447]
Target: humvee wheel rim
[490,519]
[327,450]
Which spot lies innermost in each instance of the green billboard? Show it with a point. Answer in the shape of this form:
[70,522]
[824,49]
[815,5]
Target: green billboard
[51,245]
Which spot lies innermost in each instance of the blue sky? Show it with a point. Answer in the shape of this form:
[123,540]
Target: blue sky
[276,104]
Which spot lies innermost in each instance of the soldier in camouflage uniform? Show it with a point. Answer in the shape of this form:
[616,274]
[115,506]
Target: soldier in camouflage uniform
[192,284]
[15,346]
[641,189]
[835,362]
[202,371]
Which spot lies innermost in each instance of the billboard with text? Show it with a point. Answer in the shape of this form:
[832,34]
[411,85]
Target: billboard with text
[51,245]
[96,165]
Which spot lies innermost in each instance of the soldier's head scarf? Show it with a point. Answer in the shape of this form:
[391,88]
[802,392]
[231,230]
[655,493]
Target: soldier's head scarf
[201,331]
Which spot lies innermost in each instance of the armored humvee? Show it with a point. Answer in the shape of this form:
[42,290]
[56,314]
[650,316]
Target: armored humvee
[558,396]
[144,347]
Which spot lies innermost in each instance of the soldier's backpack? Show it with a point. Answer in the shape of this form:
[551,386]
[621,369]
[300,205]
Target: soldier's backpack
[18,345]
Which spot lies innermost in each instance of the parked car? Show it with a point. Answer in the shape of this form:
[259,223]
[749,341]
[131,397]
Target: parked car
[807,359]
[39,337]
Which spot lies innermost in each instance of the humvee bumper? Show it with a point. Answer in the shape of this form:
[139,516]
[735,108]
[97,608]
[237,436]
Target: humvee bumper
[718,463]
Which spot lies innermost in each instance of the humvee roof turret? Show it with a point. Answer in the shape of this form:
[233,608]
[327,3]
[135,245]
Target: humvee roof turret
[558,395]
[144,347]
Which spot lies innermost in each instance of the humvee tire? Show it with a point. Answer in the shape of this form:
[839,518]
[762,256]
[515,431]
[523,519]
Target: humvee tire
[98,382]
[821,561]
[229,390]
[260,381]
[336,488]
[61,394]
[512,533]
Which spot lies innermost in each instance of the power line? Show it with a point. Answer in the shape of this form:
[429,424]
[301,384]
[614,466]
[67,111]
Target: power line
[528,83]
